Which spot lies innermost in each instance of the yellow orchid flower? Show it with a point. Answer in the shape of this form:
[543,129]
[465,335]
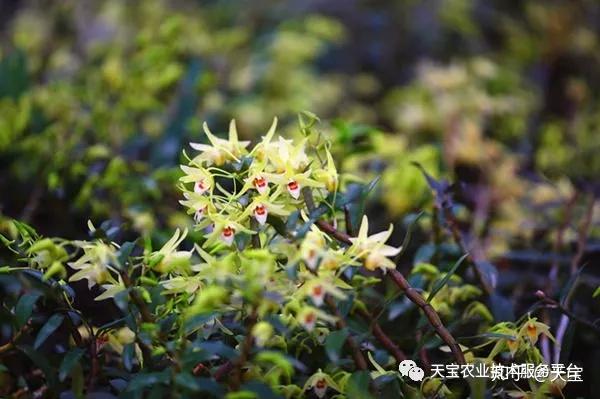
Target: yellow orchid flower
[317,288]
[313,247]
[293,181]
[320,382]
[256,179]
[224,230]
[284,155]
[202,179]
[261,149]
[262,332]
[168,257]
[308,317]
[372,248]
[95,263]
[263,205]
[220,150]
[329,175]
[198,204]
[111,290]
[532,329]
[181,284]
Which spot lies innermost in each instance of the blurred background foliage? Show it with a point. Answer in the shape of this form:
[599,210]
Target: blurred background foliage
[98,98]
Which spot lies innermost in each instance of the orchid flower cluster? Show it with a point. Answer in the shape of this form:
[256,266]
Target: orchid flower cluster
[266,275]
[254,184]
[236,194]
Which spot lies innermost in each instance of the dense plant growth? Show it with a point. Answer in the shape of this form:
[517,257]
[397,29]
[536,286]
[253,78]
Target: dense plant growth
[443,211]
[277,296]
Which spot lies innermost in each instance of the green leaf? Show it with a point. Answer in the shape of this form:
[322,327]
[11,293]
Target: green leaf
[147,380]
[596,292]
[6,241]
[488,271]
[413,222]
[78,382]
[477,386]
[357,386]
[278,359]
[51,325]
[262,390]
[69,361]
[125,252]
[278,224]
[14,78]
[25,307]
[334,343]
[202,384]
[441,283]
[128,356]
[218,348]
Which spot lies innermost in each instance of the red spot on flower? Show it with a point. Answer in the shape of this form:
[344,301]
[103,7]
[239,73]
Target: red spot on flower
[260,210]
[317,290]
[293,185]
[321,384]
[309,318]
[260,182]
[200,186]
[101,340]
[228,231]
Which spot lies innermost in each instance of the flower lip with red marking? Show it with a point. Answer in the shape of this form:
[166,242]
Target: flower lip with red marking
[294,189]
[309,320]
[200,187]
[228,234]
[317,294]
[260,213]
[260,183]
[320,387]
[199,214]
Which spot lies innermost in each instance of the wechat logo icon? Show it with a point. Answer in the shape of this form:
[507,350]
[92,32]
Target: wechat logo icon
[409,368]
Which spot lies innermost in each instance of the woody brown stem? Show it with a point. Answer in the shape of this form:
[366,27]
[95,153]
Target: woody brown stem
[434,320]
[382,337]
[11,344]
[473,256]
[223,370]
[551,303]
[582,234]
[255,240]
[245,348]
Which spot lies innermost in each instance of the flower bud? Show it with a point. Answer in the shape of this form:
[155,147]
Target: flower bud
[262,332]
